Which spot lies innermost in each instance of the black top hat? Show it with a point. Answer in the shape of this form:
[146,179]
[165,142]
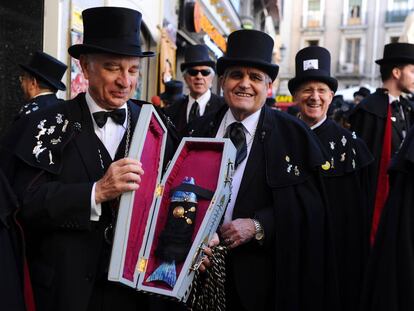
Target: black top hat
[47,68]
[197,55]
[363,91]
[110,30]
[313,63]
[250,48]
[395,53]
[173,91]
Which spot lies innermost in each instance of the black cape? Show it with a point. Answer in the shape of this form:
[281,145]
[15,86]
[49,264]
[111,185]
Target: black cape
[38,103]
[11,251]
[295,268]
[390,274]
[368,121]
[347,188]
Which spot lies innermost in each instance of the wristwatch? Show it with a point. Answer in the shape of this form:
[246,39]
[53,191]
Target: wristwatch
[259,232]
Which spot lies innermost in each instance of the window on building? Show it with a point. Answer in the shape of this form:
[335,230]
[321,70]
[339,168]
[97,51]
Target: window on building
[394,39]
[312,42]
[314,15]
[355,8]
[352,48]
[314,5]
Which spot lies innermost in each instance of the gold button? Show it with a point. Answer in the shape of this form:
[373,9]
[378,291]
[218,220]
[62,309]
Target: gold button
[326,166]
[178,212]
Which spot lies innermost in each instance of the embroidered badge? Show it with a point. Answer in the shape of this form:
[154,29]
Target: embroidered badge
[48,137]
[59,119]
[354,135]
[310,64]
[289,168]
[332,163]
[353,151]
[297,172]
[343,141]
[353,163]
[342,157]
[393,119]
[332,145]
[326,166]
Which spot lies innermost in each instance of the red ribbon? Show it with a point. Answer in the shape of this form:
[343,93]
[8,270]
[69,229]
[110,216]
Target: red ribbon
[383,182]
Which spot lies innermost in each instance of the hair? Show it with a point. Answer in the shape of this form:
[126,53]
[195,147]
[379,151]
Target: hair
[386,70]
[41,83]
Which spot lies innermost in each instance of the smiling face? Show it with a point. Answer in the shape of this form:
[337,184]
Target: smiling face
[112,78]
[245,90]
[198,84]
[313,99]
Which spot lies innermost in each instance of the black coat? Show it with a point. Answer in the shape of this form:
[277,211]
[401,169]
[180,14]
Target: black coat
[368,121]
[347,188]
[68,257]
[295,267]
[177,111]
[37,103]
[11,252]
[390,275]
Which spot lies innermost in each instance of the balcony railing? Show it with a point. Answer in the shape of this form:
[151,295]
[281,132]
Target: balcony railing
[396,16]
[313,19]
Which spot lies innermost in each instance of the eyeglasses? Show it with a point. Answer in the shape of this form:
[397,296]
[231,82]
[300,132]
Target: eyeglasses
[194,72]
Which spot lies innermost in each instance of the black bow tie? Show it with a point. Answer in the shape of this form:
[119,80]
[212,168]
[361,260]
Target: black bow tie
[117,115]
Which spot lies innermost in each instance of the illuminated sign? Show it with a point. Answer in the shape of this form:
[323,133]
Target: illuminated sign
[202,23]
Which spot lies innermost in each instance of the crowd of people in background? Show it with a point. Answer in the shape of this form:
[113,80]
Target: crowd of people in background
[321,215]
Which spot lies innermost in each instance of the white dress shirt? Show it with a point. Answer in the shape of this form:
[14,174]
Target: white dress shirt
[249,126]
[202,103]
[318,124]
[110,135]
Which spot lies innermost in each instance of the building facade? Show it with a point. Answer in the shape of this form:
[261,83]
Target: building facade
[354,31]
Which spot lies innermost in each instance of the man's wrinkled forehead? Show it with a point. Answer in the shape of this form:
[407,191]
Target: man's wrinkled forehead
[244,69]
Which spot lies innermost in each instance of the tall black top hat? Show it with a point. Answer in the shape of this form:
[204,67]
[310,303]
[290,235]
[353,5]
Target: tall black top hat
[196,55]
[250,48]
[397,53]
[363,91]
[110,30]
[47,68]
[173,91]
[313,63]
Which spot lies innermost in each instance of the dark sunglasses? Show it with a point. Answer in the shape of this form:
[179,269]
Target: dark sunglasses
[194,72]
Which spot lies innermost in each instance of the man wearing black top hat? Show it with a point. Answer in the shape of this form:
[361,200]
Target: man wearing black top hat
[389,281]
[276,226]
[198,70]
[40,81]
[69,170]
[173,92]
[345,173]
[361,94]
[383,119]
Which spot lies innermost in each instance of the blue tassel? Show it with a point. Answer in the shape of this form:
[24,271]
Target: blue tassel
[165,272]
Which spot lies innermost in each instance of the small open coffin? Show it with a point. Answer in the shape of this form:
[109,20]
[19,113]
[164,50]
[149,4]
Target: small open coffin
[143,214]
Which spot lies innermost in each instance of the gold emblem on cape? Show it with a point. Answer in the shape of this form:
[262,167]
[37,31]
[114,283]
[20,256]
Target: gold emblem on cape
[326,166]
[178,212]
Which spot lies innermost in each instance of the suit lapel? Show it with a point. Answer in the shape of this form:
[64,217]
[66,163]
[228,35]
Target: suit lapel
[86,141]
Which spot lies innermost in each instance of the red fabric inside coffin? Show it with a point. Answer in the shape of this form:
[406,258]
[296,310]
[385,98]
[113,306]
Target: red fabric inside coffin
[144,196]
[200,160]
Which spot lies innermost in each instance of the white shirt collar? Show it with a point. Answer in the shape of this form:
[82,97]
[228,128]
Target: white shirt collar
[249,123]
[392,98]
[318,124]
[43,93]
[202,102]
